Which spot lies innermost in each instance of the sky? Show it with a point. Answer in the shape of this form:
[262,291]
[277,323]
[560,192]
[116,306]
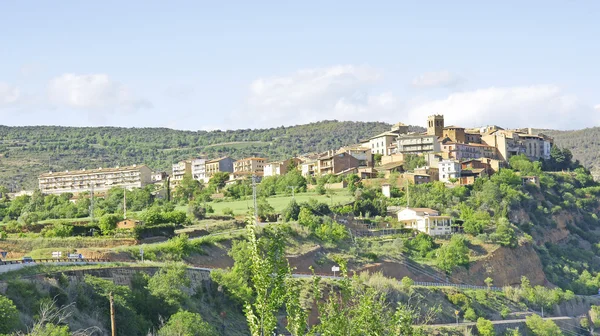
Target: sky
[199,65]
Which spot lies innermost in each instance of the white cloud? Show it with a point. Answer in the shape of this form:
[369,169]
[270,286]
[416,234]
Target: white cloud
[437,80]
[92,92]
[337,92]
[597,107]
[543,106]
[9,94]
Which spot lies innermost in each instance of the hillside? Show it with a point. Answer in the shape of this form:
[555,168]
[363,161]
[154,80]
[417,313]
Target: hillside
[28,151]
[584,144]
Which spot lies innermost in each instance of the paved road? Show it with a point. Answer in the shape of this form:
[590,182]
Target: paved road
[470,324]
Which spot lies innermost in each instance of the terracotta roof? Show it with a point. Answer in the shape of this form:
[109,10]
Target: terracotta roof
[428,210]
[452,126]
[89,171]
[251,159]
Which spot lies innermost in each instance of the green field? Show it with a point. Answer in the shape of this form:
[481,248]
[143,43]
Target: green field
[280,202]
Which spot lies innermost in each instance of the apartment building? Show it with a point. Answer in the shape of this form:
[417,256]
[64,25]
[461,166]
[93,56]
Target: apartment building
[249,166]
[179,170]
[280,167]
[101,179]
[417,144]
[333,164]
[224,164]
[507,143]
[199,170]
[310,168]
[463,151]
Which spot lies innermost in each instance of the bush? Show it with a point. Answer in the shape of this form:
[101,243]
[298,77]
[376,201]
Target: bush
[9,315]
[227,212]
[331,232]
[485,327]
[108,223]
[187,323]
[470,314]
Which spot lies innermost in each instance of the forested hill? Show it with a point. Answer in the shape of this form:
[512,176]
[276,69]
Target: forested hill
[584,144]
[28,151]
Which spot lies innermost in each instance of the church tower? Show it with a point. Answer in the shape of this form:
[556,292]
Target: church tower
[435,125]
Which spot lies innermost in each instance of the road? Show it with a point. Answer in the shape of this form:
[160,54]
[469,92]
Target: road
[470,324]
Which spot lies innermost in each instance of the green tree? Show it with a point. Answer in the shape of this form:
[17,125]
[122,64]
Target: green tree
[489,282]
[108,223]
[470,314]
[186,189]
[217,181]
[9,315]
[505,234]
[291,211]
[169,283]
[185,323]
[265,210]
[455,253]
[541,327]
[485,327]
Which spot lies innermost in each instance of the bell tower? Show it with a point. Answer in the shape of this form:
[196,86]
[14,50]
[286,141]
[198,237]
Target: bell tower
[435,125]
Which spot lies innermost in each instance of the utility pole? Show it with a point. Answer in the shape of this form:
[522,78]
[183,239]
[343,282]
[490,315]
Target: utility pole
[92,203]
[254,198]
[407,195]
[293,189]
[124,203]
[113,325]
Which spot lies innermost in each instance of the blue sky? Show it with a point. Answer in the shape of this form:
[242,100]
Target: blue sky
[207,65]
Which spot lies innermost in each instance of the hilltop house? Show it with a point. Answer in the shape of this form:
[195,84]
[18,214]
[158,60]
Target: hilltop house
[425,220]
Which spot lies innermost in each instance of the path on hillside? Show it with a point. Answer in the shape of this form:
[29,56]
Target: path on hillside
[471,324]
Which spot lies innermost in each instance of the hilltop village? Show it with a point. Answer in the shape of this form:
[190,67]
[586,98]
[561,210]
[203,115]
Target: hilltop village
[451,154]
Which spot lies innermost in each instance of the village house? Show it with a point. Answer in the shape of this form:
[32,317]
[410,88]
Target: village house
[449,170]
[310,168]
[280,167]
[333,164]
[425,220]
[128,223]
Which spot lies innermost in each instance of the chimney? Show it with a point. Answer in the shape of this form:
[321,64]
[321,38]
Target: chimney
[530,131]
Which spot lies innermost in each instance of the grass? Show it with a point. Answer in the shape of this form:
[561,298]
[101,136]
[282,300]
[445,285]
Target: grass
[280,202]
[25,245]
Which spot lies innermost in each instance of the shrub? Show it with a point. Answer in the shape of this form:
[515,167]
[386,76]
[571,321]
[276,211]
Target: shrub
[470,314]
[9,315]
[485,327]
[227,212]
[108,223]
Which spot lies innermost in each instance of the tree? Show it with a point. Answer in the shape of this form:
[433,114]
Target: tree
[505,234]
[485,327]
[217,180]
[470,314]
[489,282]
[187,188]
[291,211]
[168,284]
[453,254]
[407,283]
[541,327]
[197,210]
[265,210]
[185,323]
[108,223]
[9,315]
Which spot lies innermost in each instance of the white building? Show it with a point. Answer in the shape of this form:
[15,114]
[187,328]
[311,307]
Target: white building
[100,180]
[199,170]
[425,220]
[379,144]
[449,169]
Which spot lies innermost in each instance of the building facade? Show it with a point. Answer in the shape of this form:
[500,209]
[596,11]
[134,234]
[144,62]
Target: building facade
[101,179]
[249,166]
[224,164]
[199,170]
[179,170]
[449,169]
[425,220]
[435,125]
[417,144]
[336,163]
